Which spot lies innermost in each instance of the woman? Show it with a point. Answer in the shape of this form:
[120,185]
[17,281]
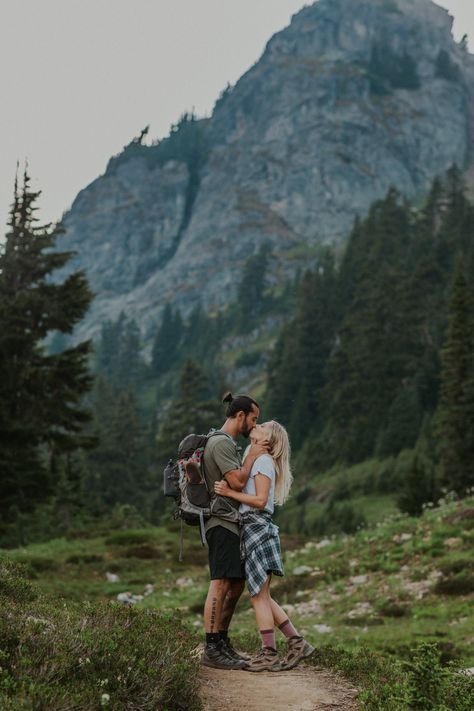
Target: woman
[269,483]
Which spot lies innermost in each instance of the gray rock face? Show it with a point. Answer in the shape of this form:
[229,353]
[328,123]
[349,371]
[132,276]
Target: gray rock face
[355,96]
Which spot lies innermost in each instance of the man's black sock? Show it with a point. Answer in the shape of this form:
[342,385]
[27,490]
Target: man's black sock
[212,637]
[223,635]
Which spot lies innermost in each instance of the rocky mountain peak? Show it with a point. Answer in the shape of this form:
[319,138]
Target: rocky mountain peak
[353,97]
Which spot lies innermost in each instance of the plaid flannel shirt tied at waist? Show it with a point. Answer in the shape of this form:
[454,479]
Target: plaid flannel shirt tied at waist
[256,527]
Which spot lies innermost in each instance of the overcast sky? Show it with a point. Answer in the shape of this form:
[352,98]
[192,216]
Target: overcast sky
[80,78]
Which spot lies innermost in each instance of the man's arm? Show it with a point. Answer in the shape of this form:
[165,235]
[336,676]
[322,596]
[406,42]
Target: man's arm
[237,478]
[257,501]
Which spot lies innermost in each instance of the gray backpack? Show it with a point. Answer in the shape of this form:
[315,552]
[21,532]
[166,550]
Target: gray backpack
[185,481]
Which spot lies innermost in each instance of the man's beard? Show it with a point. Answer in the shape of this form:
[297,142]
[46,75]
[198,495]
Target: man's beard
[246,432]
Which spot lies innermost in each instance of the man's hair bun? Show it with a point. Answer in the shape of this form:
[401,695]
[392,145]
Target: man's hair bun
[239,403]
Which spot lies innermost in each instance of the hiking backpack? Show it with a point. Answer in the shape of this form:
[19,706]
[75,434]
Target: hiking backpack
[184,480]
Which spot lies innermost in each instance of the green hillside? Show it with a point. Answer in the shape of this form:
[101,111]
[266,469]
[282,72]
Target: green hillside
[386,589]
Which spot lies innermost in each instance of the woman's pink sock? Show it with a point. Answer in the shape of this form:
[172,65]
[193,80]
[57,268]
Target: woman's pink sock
[288,630]
[268,638]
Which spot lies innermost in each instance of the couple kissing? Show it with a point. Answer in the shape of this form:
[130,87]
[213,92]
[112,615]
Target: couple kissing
[245,548]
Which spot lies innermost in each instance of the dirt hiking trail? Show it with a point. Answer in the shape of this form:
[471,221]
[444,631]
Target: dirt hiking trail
[301,689]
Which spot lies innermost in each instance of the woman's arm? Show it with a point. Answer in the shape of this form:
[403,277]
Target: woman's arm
[237,478]
[259,501]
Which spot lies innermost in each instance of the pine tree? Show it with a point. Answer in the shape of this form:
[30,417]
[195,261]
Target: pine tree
[167,341]
[41,411]
[130,366]
[296,370]
[250,292]
[378,339]
[118,468]
[109,347]
[190,412]
[419,483]
[455,416]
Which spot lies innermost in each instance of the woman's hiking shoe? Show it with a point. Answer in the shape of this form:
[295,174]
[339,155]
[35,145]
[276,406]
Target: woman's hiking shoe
[266,660]
[233,653]
[298,649]
[215,655]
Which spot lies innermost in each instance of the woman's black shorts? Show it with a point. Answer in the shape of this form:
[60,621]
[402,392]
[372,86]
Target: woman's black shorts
[224,554]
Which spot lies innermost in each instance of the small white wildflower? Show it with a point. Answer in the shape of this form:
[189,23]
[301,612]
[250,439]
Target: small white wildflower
[104,699]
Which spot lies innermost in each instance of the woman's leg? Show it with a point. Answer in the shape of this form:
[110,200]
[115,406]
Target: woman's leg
[282,621]
[267,659]
[279,614]
[264,615]
[298,648]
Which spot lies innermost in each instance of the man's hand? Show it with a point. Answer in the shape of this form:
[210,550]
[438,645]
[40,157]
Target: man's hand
[257,449]
[238,478]
[221,487]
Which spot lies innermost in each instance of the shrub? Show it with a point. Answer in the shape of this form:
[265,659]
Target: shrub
[130,537]
[13,584]
[66,655]
[144,551]
[386,683]
[392,608]
[84,558]
[456,565]
[39,564]
[248,359]
[461,584]
[335,517]
[434,687]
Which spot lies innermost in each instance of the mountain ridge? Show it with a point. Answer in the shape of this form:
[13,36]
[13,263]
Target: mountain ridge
[348,100]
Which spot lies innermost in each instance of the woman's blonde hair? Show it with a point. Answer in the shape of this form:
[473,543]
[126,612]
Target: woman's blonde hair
[279,449]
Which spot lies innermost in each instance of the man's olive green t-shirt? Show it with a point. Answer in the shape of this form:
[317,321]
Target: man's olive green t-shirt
[221,455]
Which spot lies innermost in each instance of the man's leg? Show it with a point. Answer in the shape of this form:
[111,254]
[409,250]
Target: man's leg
[213,607]
[215,653]
[235,590]
[224,564]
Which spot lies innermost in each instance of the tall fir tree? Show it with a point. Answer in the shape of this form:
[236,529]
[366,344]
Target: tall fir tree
[378,339]
[455,416]
[191,411]
[118,468]
[167,341]
[41,412]
[419,484]
[296,369]
[250,291]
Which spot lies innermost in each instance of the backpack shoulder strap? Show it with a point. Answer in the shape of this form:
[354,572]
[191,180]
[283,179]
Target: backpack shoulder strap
[214,433]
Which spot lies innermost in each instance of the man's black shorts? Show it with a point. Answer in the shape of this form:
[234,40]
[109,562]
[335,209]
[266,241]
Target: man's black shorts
[224,554]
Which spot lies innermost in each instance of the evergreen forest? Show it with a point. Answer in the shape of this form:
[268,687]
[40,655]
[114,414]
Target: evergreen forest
[367,358]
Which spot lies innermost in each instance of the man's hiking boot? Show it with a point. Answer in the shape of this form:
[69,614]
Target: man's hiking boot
[298,648]
[238,656]
[266,660]
[215,655]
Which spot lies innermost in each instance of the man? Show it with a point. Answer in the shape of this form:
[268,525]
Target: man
[222,461]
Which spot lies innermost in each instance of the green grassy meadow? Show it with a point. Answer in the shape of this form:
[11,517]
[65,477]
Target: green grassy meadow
[389,586]
[386,589]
